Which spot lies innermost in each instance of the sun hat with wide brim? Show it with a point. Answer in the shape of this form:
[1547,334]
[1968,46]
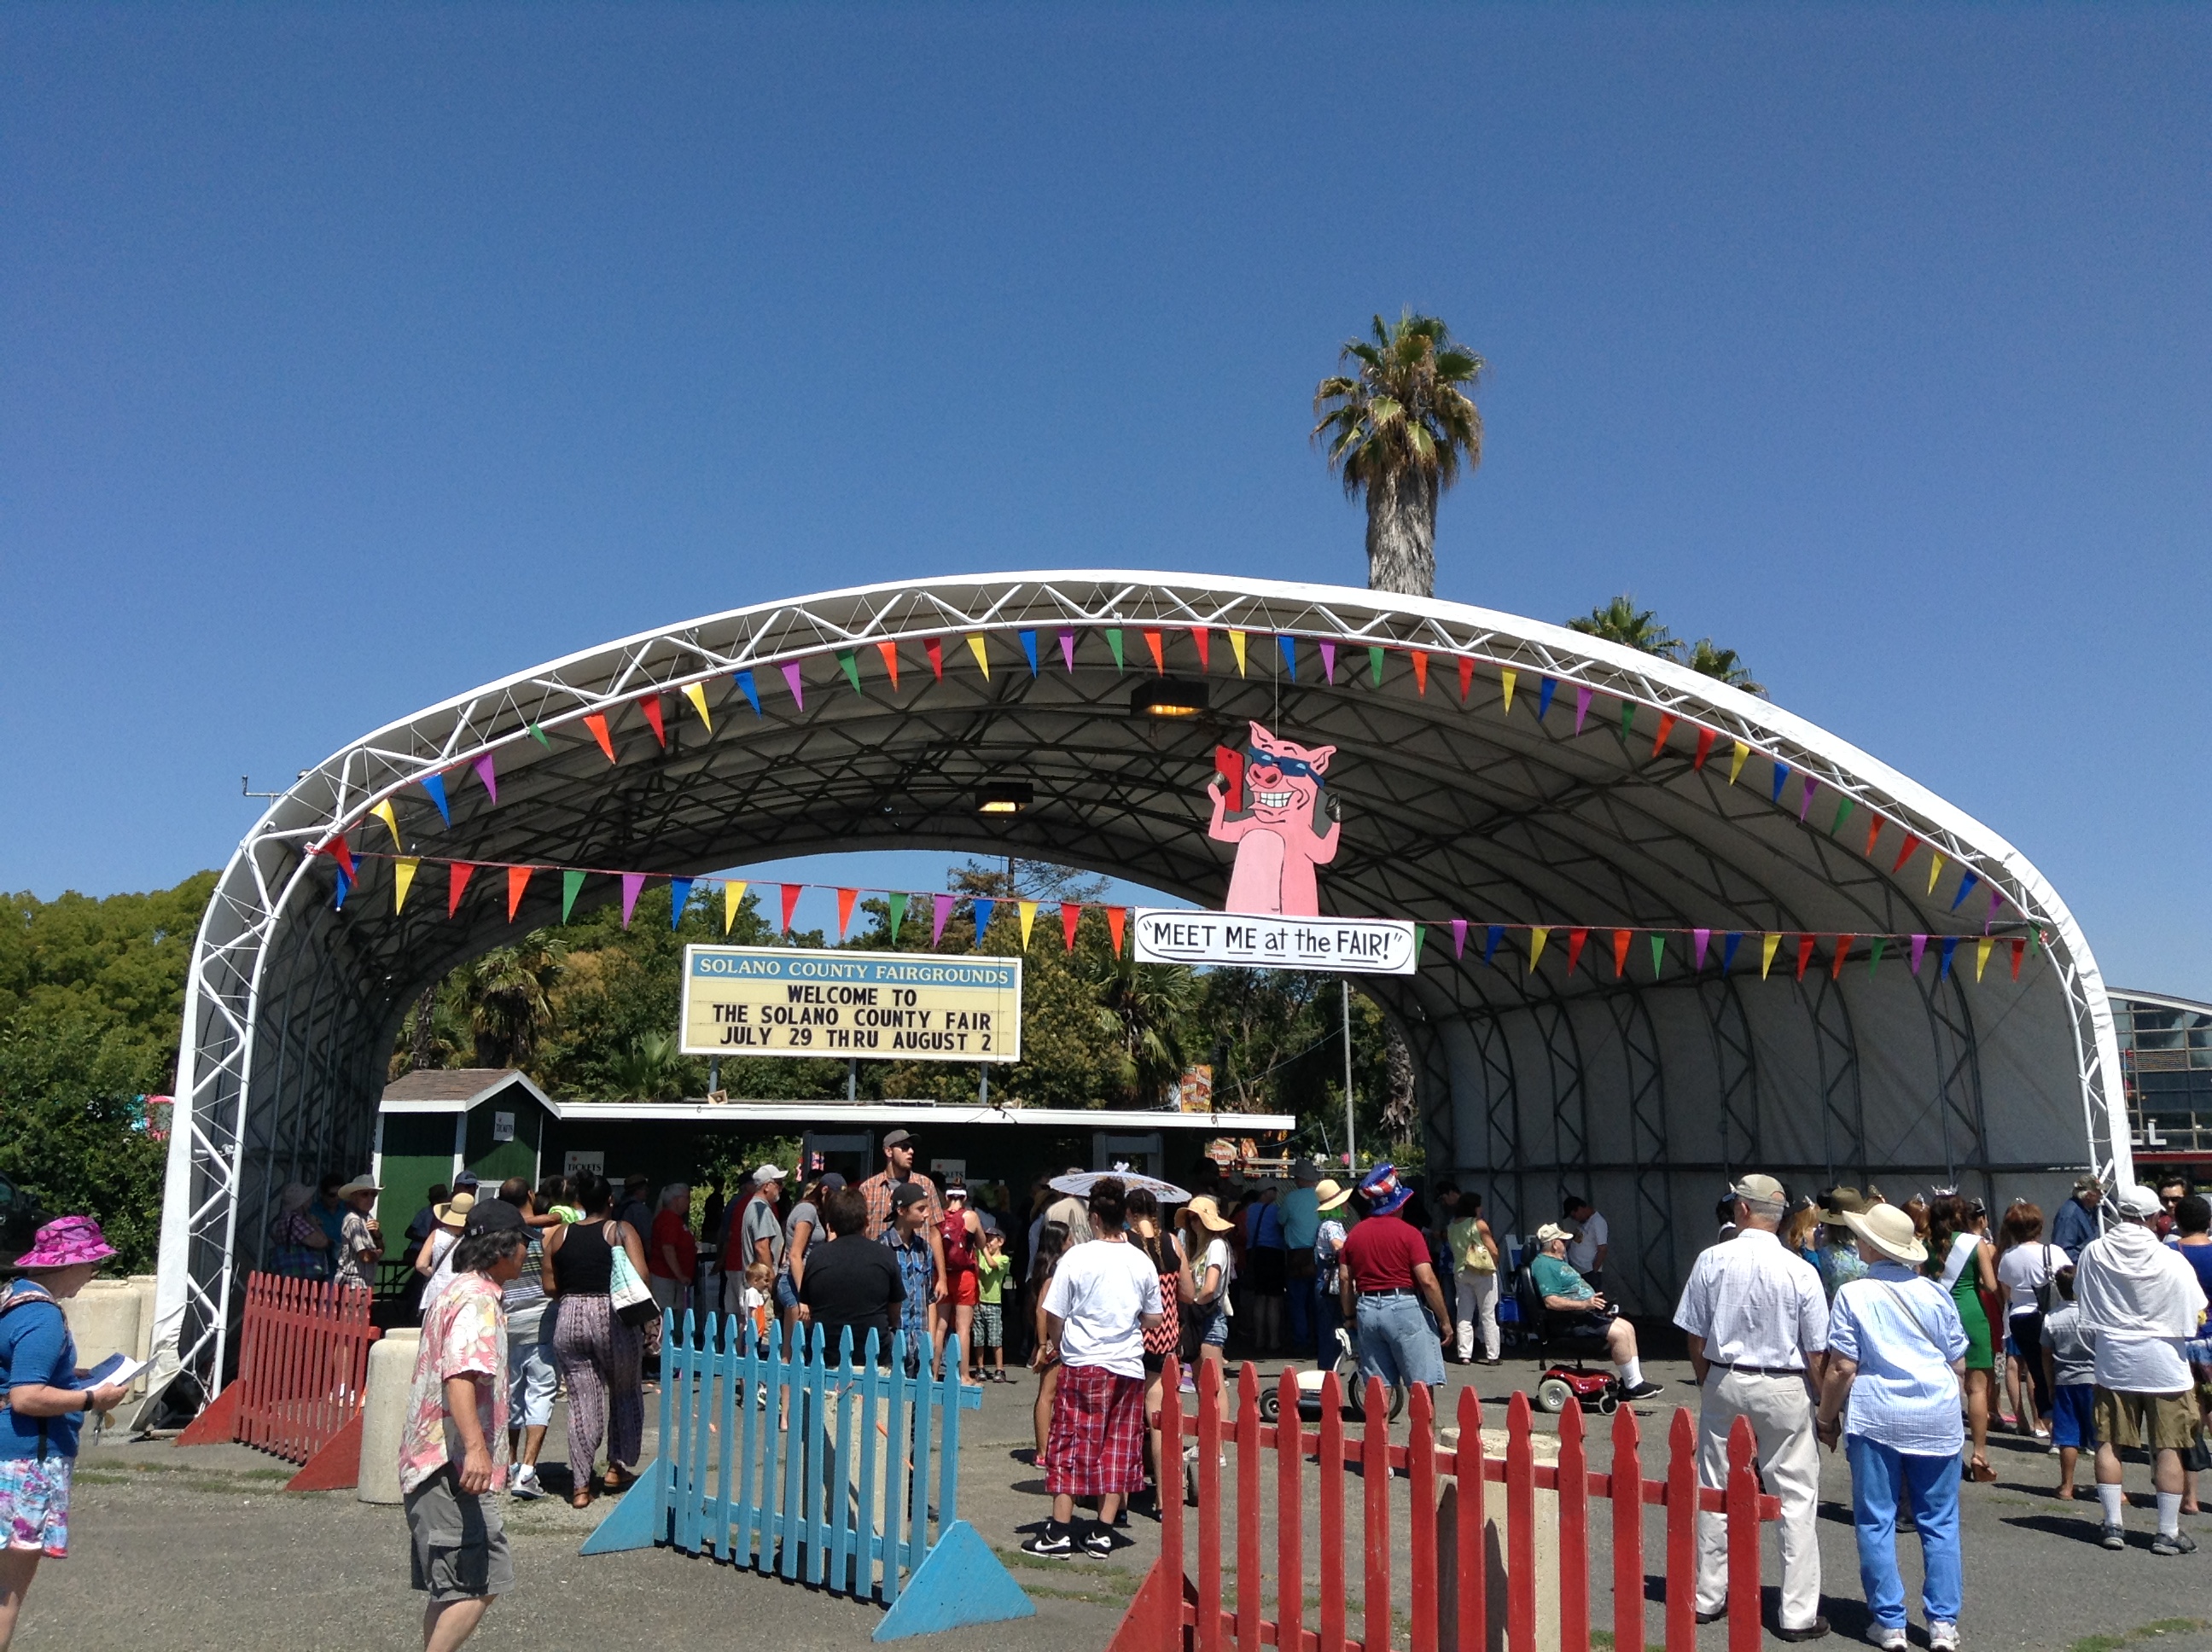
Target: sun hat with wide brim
[455,1210]
[1209,1213]
[1328,1196]
[1888,1229]
[358,1185]
[67,1242]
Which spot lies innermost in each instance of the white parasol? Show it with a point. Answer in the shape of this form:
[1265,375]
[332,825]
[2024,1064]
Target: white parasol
[1080,1183]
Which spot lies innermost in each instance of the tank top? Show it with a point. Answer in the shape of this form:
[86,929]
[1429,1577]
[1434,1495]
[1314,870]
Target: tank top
[586,1264]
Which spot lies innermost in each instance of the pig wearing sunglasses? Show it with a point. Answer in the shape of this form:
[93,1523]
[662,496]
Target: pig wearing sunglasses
[1276,833]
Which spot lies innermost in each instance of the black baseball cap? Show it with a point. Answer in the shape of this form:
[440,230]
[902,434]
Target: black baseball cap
[907,1193]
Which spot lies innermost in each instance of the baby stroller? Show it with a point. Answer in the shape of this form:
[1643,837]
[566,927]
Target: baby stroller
[1346,1366]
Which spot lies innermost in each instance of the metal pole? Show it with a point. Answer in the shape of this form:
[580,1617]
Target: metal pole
[853,1079]
[983,1086]
[1351,1152]
[713,1073]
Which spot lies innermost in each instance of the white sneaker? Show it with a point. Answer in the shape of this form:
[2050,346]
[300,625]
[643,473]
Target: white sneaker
[1889,1637]
[525,1482]
[1943,1636]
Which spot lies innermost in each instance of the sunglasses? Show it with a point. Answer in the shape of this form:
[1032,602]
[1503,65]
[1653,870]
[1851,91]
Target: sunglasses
[1291,767]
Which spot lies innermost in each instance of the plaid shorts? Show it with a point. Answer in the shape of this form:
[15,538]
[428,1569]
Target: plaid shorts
[1095,1446]
[990,1325]
[34,1499]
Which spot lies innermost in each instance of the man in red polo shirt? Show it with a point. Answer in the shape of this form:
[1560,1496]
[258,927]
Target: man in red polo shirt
[1385,1278]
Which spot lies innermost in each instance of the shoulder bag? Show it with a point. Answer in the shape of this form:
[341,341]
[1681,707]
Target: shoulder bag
[632,1299]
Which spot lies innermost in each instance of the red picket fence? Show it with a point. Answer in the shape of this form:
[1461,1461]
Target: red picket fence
[1171,1613]
[302,1366]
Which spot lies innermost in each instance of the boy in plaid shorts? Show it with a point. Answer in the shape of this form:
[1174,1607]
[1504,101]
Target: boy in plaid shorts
[991,1272]
[1104,1295]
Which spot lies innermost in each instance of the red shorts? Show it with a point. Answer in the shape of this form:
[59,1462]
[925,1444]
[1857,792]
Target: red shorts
[1095,1446]
[963,1289]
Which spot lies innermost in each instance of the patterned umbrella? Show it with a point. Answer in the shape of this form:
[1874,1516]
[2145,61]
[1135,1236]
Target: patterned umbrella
[1081,1182]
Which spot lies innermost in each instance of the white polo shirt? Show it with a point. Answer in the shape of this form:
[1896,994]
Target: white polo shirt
[1755,1304]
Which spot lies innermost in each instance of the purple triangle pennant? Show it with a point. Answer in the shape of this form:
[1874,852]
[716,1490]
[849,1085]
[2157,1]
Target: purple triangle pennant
[1919,946]
[1582,707]
[1067,650]
[1698,938]
[1997,900]
[633,882]
[1329,662]
[1805,801]
[482,766]
[797,689]
[1459,937]
[943,905]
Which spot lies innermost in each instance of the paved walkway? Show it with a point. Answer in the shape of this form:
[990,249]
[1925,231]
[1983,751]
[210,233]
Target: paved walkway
[201,1548]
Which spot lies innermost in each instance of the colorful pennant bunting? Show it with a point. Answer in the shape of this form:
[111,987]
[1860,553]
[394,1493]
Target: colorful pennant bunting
[1729,945]
[1420,659]
[1068,651]
[1919,947]
[402,879]
[1666,728]
[2019,952]
[1466,678]
[1737,761]
[1700,939]
[1658,952]
[1935,870]
[1575,939]
[846,898]
[571,883]
[1767,948]
[1620,940]
[1070,912]
[1028,651]
[633,884]
[1026,911]
[1155,644]
[1843,952]
[792,681]
[1328,664]
[1805,798]
[1289,649]
[1981,955]
[1459,937]
[1874,957]
[1781,780]
[1544,697]
[1804,954]
[650,705]
[934,647]
[1705,738]
[1491,936]
[733,901]
[385,812]
[1537,936]
[696,694]
[1966,888]
[1507,680]
[896,903]
[1950,945]
[1582,706]
[848,661]
[791,894]
[1374,666]
[1236,641]
[745,680]
[982,915]
[1116,919]
[597,722]
[679,896]
[458,873]
[1199,639]
[435,786]
[518,879]
[889,654]
[342,852]
[1113,646]
[941,908]
[1905,852]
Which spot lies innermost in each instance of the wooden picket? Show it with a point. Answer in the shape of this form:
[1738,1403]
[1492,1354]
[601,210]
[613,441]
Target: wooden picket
[1172,1614]
[302,1368]
[757,1466]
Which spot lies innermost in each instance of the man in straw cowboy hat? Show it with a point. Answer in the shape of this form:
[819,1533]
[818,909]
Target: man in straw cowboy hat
[2140,1301]
[360,1242]
[1897,1355]
[1757,1321]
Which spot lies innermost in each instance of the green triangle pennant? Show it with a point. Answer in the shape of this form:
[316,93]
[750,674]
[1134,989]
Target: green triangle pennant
[1874,958]
[898,914]
[852,668]
[1374,665]
[1627,718]
[1658,951]
[571,883]
[1421,931]
[1114,642]
[1842,814]
[538,735]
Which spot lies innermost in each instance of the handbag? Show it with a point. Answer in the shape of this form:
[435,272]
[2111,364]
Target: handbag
[633,1301]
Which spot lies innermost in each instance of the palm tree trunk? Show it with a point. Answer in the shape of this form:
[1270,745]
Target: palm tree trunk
[424,1052]
[1398,1113]
[1402,533]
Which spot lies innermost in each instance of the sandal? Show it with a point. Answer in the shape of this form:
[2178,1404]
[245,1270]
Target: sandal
[1979,1471]
[581,1497]
[619,1481]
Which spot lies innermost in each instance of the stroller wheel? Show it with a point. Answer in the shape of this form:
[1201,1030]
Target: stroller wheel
[1553,1395]
[1271,1404]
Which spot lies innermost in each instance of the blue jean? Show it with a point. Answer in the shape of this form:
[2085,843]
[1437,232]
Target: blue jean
[1879,1477]
[1298,1307]
[1398,1342]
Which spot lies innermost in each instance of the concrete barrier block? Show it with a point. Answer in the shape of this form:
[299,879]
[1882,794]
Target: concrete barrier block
[383,1413]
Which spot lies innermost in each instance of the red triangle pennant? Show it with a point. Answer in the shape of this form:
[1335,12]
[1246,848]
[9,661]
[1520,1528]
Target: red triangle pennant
[457,874]
[1874,831]
[1575,939]
[1115,917]
[597,722]
[650,705]
[518,879]
[1804,954]
[342,852]
[1620,939]
[1843,952]
[934,647]
[890,652]
[790,904]
[845,899]
[1912,842]
[1705,738]
[1071,914]
[1198,635]
[1466,678]
[2019,952]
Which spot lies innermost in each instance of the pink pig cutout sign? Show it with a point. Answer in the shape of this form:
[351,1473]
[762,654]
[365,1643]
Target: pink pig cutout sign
[1278,843]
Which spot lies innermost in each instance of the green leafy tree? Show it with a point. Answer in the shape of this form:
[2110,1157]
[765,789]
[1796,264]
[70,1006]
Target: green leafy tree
[1398,426]
[1621,621]
[1708,657]
[509,992]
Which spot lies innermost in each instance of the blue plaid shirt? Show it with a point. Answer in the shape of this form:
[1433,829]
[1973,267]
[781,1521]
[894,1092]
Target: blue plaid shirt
[917,1266]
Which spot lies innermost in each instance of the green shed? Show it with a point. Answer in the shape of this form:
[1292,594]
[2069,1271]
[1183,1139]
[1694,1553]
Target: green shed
[435,1123]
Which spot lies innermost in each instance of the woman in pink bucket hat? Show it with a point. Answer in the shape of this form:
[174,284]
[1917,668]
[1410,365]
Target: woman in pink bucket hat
[47,1401]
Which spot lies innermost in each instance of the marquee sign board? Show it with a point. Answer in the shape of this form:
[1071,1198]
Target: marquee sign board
[1363,946]
[900,1006]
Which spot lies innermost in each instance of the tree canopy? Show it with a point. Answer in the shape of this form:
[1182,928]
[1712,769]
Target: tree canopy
[1621,621]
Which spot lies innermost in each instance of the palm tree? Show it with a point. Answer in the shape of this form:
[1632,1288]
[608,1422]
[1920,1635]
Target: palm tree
[508,989]
[1143,1008]
[1621,621]
[1708,657]
[1398,428]
[650,1069]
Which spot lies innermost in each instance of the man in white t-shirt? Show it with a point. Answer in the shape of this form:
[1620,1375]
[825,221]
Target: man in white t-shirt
[1586,1250]
[1104,1297]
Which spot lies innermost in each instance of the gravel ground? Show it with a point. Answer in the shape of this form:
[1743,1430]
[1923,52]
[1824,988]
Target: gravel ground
[201,1548]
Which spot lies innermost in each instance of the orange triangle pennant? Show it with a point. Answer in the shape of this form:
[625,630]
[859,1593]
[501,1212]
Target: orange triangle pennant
[597,722]
[1620,939]
[890,652]
[518,879]
[1420,659]
[1115,917]
[845,899]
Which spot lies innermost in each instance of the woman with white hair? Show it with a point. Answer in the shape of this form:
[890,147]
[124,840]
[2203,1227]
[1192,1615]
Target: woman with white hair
[1897,1355]
[673,1258]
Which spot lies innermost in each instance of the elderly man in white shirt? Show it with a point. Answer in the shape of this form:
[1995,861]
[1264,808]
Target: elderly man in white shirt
[1757,1320]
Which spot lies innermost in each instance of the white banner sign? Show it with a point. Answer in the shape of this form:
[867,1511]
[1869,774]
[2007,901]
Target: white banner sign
[1364,946]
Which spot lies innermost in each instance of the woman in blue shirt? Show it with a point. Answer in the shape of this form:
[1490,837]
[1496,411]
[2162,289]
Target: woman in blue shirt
[46,1403]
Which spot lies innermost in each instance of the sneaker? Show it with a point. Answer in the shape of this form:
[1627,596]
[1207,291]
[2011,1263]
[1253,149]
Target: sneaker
[526,1483]
[1889,1637]
[1646,1389]
[2114,1538]
[1817,1630]
[1053,1543]
[2173,1543]
[1099,1544]
[1943,1636]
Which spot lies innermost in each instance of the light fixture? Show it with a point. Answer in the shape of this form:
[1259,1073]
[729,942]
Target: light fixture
[1004,797]
[1168,696]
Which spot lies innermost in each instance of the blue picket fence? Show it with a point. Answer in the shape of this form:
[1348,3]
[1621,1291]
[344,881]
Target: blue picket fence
[816,1469]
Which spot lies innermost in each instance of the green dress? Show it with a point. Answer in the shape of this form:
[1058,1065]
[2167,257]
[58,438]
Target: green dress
[1966,1293]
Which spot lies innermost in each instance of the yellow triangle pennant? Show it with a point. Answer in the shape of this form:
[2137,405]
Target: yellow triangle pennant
[403,878]
[1982,954]
[1735,761]
[1237,642]
[983,659]
[1029,916]
[696,694]
[1766,948]
[385,812]
[1935,872]
[733,897]
[1509,678]
[1536,938]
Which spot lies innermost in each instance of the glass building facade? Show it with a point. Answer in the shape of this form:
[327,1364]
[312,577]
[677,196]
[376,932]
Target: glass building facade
[2166,1063]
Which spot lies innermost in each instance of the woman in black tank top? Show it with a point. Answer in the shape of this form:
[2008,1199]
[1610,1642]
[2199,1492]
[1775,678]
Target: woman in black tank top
[601,1358]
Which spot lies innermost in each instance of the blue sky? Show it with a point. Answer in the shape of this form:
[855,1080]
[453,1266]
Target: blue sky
[350,357]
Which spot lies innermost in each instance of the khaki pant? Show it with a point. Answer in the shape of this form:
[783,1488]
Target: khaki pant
[1788,1457]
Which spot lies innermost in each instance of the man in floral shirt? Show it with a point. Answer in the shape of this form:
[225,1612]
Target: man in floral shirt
[452,1455]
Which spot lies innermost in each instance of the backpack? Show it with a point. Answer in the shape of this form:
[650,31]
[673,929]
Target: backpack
[15,1299]
[959,1244]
